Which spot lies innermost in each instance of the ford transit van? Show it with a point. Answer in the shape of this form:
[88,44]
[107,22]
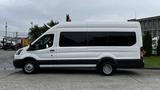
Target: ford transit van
[105,46]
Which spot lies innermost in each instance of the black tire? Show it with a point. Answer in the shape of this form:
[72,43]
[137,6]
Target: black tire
[114,69]
[106,68]
[30,67]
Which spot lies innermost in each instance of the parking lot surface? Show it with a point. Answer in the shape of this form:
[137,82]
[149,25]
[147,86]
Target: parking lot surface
[77,79]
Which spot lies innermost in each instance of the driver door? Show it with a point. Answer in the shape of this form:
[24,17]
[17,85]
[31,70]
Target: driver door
[43,48]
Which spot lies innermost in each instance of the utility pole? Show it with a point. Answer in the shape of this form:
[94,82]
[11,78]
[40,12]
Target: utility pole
[16,34]
[6,30]
[16,40]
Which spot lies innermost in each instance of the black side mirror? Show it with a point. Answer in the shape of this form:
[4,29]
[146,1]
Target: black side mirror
[31,47]
[30,44]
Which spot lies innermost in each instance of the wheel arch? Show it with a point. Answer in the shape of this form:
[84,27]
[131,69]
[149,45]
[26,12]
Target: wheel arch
[29,59]
[107,59]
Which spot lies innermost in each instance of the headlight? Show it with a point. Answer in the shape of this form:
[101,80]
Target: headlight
[19,51]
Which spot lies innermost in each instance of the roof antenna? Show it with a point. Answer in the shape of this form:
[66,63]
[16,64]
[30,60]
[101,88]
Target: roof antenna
[135,14]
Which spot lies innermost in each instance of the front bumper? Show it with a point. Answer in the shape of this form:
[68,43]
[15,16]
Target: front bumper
[18,63]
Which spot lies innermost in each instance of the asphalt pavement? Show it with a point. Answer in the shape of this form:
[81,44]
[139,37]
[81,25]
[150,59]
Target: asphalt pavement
[75,79]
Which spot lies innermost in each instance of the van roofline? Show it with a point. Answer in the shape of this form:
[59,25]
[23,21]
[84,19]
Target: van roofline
[98,25]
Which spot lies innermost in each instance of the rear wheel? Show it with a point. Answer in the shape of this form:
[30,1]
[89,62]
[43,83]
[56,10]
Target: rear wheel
[30,67]
[106,68]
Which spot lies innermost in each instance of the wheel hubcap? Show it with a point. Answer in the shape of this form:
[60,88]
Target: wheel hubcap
[29,67]
[107,69]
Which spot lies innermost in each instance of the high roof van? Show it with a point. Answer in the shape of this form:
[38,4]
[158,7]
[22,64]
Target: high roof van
[105,46]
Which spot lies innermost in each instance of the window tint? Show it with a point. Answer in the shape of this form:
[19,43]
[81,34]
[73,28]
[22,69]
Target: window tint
[122,38]
[111,38]
[73,39]
[45,42]
[97,38]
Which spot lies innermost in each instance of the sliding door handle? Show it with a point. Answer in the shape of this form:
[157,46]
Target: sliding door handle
[52,50]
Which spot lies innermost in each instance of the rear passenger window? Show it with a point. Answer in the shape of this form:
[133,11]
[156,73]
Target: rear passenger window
[73,39]
[122,38]
[111,38]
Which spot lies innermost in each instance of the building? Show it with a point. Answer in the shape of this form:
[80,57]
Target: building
[151,24]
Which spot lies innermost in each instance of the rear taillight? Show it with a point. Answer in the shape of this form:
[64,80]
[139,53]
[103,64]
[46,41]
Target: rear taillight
[141,52]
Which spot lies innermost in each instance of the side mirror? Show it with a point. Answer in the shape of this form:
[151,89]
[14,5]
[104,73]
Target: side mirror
[30,44]
[31,47]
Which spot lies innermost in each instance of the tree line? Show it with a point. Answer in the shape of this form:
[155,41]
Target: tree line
[147,44]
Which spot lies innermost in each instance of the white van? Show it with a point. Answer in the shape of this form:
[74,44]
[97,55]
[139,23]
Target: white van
[106,46]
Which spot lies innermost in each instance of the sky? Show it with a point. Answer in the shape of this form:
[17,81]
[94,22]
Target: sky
[20,13]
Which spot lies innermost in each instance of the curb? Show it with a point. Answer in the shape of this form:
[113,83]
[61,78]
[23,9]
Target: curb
[152,68]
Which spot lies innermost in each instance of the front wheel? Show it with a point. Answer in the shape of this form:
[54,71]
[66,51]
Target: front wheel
[106,68]
[30,67]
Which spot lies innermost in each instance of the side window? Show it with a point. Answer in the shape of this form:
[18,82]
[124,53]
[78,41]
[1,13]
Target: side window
[97,39]
[44,42]
[111,38]
[73,39]
[122,38]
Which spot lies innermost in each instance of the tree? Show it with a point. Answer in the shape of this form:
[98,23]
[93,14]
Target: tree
[36,31]
[147,43]
[52,23]
[158,47]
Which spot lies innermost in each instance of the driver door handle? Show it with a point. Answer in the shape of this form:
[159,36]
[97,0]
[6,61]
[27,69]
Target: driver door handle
[52,50]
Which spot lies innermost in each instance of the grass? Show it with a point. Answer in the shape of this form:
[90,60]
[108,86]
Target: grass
[152,62]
